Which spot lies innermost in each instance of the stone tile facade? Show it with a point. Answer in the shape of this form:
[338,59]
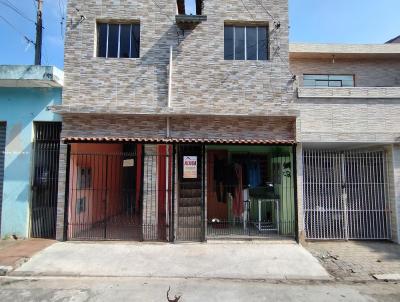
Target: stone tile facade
[212,97]
[202,81]
[349,120]
[272,128]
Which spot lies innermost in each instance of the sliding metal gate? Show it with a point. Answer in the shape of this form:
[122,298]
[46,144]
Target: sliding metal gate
[120,192]
[46,149]
[345,195]
[2,155]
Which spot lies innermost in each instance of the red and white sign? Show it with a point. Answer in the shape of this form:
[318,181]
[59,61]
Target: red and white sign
[190,167]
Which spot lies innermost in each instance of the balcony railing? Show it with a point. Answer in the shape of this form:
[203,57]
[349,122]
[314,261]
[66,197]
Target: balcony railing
[350,92]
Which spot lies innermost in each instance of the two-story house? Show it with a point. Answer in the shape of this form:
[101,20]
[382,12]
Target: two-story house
[348,134]
[191,127]
[29,150]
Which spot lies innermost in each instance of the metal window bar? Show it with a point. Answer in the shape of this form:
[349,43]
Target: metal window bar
[345,195]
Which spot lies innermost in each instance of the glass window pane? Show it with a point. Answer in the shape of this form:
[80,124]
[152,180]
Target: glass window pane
[316,77]
[309,83]
[251,43]
[321,83]
[135,41]
[262,43]
[335,83]
[102,40]
[113,32]
[239,43]
[125,41]
[228,43]
[340,77]
[348,83]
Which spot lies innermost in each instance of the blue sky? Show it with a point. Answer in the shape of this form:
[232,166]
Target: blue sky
[314,21]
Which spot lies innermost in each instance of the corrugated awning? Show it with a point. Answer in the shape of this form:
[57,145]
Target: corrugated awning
[176,140]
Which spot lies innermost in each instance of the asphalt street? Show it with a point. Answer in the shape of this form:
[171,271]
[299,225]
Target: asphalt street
[76,289]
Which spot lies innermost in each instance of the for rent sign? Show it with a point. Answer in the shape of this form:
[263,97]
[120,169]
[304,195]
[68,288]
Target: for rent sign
[190,167]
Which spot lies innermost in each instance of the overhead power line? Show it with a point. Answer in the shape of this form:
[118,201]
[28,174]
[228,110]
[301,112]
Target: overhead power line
[17,30]
[15,9]
[266,10]
[244,5]
[162,11]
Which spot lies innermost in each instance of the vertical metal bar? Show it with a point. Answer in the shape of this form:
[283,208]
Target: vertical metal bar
[106,200]
[345,197]
[352,197]
[327,193]
[386,193]
[295,197]
[172,213]
[313,173]
[141,209]
[203,193]
[67,184]
[372,182]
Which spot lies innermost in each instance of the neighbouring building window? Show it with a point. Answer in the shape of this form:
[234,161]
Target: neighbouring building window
[325,80]
[118,40]
[246,42]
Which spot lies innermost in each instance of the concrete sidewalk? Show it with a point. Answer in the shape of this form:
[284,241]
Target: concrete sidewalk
[250,261]
[13,253]
[358,260]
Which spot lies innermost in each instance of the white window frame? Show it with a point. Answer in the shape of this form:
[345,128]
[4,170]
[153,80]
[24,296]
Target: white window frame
[245,42]
[119,40]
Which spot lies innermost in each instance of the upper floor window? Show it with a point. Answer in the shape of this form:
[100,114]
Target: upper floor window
[326,80]
[246,42]
[118,40]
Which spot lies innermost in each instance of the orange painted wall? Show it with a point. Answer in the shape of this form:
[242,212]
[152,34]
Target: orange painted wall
[104,192]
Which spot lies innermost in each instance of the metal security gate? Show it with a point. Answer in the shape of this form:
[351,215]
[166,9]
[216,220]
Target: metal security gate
[2,155]
[345,195]
[265,180]
[119,192]
[190,224]
[46,150]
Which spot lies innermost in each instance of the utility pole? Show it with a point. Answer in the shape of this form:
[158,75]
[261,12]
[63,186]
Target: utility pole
[39,34]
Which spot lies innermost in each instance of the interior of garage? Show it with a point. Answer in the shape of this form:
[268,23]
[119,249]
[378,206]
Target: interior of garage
[250,191]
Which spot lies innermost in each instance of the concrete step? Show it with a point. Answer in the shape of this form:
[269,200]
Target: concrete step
[189,221]
[190,185]
[187,193]
[189,211]
[190,202]
[188,234]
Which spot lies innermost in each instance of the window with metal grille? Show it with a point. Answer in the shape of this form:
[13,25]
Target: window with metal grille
[246,42]
[327,80]
[118,40]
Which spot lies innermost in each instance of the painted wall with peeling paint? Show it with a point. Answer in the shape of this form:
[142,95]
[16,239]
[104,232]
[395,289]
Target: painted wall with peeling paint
[19,108]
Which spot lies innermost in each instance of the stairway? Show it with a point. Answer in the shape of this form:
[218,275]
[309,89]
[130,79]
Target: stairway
[189,212]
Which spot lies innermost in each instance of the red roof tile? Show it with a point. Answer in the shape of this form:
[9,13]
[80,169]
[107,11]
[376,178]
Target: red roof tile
[178,140]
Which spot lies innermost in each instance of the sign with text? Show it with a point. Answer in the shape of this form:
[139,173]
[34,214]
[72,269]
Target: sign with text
[190,167]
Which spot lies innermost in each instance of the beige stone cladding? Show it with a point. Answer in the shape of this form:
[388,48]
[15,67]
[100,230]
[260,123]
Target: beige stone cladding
[367,72]
[202,81]
[254,128]
[372,120]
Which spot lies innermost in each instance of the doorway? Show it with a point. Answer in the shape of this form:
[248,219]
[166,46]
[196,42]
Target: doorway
[250,192]
[46,153]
